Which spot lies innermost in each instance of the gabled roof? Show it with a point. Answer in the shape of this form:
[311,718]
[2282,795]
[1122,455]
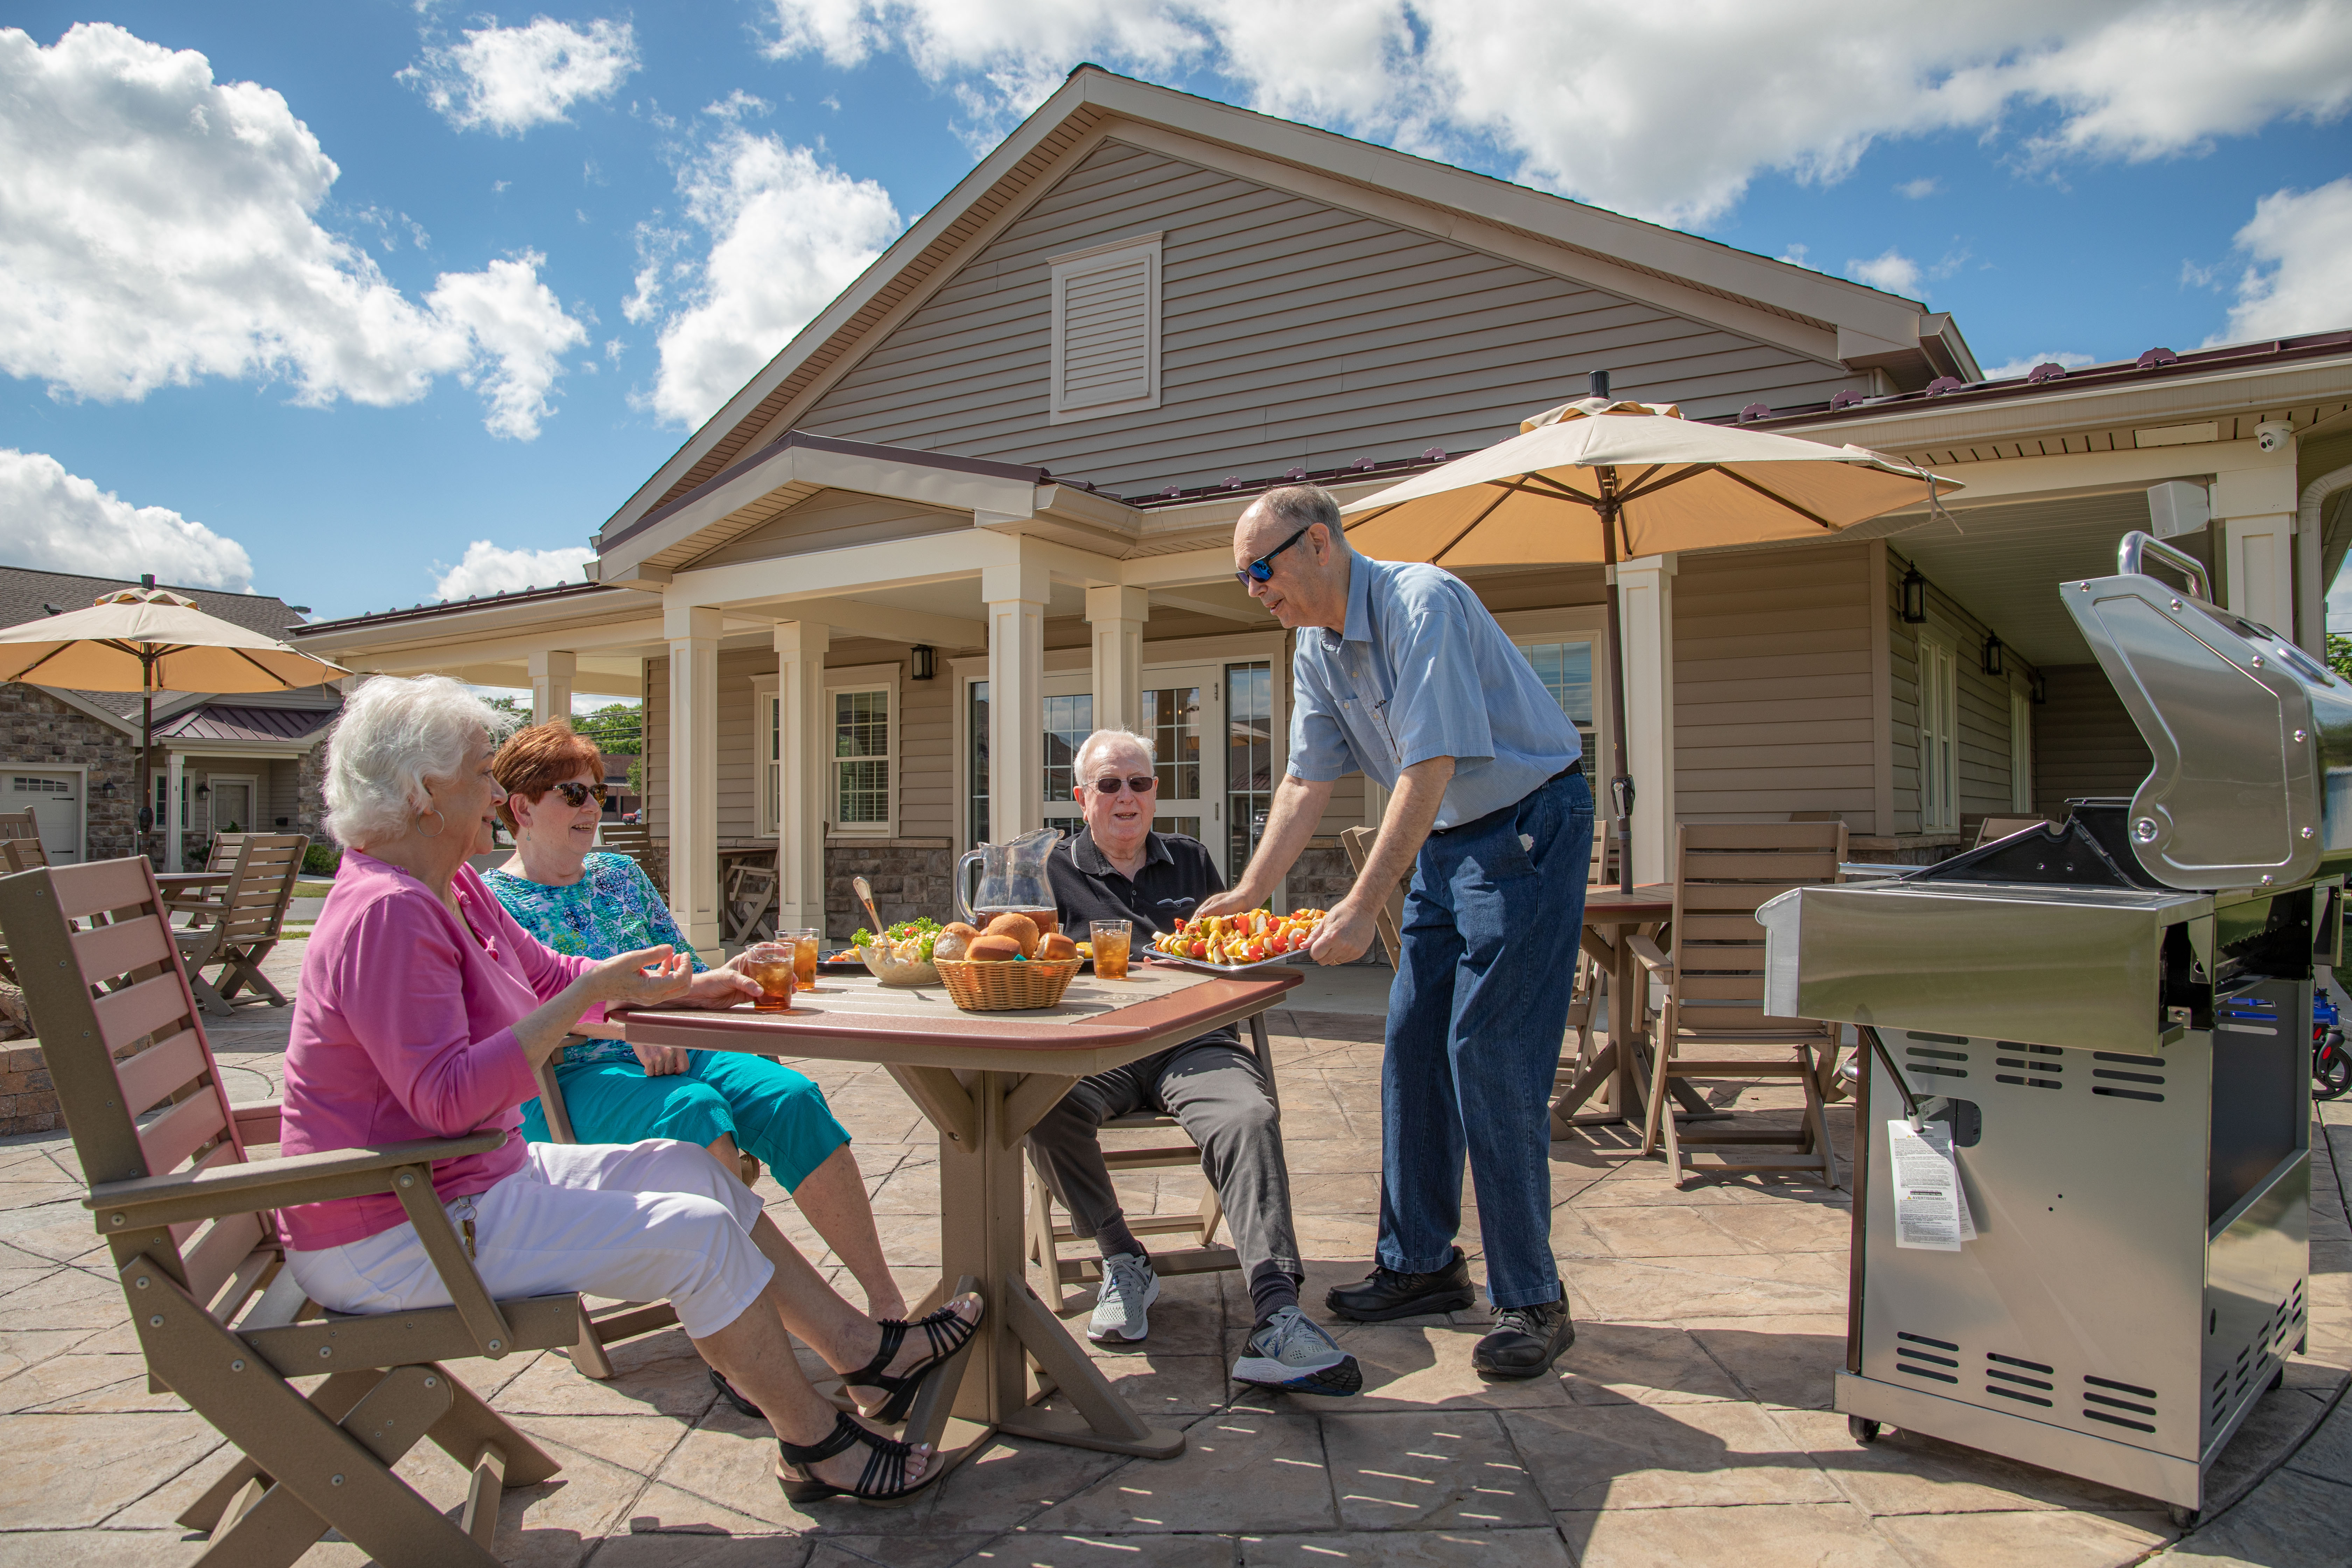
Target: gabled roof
[233,722]
[25,594]
[1860,326]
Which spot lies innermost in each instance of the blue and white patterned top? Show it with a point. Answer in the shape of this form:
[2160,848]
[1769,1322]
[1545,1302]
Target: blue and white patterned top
[613,908]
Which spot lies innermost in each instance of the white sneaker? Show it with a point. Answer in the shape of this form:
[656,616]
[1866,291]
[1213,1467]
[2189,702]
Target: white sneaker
[1123,1308]
[1293,1352]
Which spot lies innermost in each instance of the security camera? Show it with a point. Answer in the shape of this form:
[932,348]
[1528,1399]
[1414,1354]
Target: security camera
[2273,434]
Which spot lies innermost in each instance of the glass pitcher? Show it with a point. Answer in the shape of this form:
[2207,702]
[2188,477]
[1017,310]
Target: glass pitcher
[1011,879]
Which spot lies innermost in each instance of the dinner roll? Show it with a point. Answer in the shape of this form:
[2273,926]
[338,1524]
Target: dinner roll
[953,942]
[992,950]
[1057,947]
[1020,927]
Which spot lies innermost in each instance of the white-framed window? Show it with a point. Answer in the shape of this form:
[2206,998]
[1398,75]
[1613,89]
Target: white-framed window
[2020,753]
[1105,353]
[1940,747]
[858,730]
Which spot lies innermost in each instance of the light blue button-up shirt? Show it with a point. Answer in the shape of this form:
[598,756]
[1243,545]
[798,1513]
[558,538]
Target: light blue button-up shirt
[1420,671]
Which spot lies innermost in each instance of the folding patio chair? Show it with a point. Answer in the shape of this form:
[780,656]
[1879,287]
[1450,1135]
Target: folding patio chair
[237,929]
[1715,994]
[189,1219]
[749,908]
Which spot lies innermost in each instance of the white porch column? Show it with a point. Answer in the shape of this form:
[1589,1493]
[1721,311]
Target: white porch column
[692,631]
[551,675]
[2253,527]
[1648,621]
[1117,615]
[801,794]
[172,762]
[1015,595]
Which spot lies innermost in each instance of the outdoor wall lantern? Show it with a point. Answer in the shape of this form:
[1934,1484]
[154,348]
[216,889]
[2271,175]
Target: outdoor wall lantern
[204,792]
[1992,652]
[1912,606]
[2039,688]
[927,661]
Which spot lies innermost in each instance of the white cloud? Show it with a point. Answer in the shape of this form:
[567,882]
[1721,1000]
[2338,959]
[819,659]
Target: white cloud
[57,521]
[787,233]
[492,569]
[1667,109]
[157,227]
[2030,362]
[1892,271]
[1926,185]
[1795,255]
[509,79]
[2299,279]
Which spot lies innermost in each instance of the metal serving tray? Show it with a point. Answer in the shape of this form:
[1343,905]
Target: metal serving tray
[1280,961]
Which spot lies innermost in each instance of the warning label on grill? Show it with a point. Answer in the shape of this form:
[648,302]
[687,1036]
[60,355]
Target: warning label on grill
[1930,1209]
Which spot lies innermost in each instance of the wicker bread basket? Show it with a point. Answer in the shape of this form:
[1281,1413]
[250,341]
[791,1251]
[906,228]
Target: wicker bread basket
[1006,987]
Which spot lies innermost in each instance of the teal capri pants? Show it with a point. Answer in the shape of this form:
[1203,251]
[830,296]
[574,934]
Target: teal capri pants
[776,1115]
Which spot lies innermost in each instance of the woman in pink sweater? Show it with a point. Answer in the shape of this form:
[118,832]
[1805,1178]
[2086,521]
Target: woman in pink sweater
[422,1011]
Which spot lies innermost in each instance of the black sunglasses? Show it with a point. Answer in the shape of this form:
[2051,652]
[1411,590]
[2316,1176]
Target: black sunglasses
[1138,784]
[575,795]
[1262,569]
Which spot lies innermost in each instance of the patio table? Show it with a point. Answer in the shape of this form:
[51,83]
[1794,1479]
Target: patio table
[983,1079]
[1617,1070]
[189,881]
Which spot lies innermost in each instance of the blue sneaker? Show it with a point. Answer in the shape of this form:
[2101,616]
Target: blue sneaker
[1293,1353]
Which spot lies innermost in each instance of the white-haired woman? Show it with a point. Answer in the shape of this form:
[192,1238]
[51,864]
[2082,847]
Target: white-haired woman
[423,1009]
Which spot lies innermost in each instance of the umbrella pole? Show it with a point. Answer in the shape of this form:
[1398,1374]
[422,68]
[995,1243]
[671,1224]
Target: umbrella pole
[147,757]
[1621,787]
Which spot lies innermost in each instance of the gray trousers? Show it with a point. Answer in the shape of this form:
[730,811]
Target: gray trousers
[1212,1088]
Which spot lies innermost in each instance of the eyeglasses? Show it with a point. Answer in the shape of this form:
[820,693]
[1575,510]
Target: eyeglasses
[575,794]
[1262,569]
[1137,784]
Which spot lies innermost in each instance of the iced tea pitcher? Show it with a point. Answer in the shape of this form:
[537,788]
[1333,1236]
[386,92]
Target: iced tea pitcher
[1011,879]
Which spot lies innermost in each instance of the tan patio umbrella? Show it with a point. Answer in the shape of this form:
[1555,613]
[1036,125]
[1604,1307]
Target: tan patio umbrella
[1598,481]
[147,640]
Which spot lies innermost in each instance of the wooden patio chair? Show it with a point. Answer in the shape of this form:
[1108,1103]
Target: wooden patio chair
[237,928]
[20,850]
[1049,1271]
[1715,994]
[748,912]
[188,1215]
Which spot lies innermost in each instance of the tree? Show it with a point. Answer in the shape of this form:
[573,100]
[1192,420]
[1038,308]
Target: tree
[2339,655]
[617,727]
[512,716]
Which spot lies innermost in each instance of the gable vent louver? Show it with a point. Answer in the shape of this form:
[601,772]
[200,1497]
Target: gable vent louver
[1106,357]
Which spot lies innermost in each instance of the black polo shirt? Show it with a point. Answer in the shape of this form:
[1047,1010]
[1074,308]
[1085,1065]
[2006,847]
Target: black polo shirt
[1176,877]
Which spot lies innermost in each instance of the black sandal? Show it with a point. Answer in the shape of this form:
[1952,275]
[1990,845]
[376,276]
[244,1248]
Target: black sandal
[727,1392]
[883,1481]
[946,1332]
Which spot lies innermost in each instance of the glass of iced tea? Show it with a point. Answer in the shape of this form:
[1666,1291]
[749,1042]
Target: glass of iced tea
[1111,944]
[771,964]
[804,946]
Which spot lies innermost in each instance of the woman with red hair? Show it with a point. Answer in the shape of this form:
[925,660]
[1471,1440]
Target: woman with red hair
[578,899]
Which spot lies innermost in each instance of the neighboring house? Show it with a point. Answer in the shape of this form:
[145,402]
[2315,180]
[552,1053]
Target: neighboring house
[621,801]
[984,504]
[251,759]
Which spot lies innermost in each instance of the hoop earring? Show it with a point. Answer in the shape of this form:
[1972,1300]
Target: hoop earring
[437,832]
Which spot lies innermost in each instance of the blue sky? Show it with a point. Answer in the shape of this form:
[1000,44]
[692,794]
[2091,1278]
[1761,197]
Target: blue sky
[200,360]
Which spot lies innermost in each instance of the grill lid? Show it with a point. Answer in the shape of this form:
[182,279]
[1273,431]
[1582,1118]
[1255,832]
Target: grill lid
[2251,737]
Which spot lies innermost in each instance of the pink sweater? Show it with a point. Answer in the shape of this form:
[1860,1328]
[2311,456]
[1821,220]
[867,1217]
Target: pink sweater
[403,1028]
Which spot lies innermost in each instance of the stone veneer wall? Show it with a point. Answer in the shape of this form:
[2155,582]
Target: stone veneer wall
[911,878]
[1322,877]
[38,729]
[28,1100]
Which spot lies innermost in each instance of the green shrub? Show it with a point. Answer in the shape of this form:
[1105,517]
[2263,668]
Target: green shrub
[319,858]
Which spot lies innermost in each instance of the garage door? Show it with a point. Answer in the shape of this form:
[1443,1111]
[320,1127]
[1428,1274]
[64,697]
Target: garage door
[54,797]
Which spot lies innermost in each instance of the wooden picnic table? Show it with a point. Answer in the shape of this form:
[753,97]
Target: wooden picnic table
[983,1079]
[1616,1071]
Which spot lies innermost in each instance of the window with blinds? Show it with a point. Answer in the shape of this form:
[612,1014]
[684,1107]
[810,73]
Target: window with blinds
[1105,357]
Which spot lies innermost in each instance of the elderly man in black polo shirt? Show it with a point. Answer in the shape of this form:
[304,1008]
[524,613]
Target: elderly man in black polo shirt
[1115,867]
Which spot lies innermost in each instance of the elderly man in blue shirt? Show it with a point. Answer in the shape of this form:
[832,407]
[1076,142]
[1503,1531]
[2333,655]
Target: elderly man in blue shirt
[1403,674]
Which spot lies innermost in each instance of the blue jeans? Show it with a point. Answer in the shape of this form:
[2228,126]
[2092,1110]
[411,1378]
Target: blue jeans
[1492,924]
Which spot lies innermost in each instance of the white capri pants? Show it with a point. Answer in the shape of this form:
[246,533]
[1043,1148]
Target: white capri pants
[627,1222]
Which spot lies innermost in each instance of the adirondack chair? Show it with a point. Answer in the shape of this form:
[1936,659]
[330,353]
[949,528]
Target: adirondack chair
[20,850]
[237,929]
[188,1215]
[1715,994]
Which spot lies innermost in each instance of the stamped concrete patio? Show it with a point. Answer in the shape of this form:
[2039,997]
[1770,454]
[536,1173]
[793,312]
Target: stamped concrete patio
[1690,1424]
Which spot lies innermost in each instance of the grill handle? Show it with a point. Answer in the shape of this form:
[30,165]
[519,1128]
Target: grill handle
[1878,1048]
[2137,543]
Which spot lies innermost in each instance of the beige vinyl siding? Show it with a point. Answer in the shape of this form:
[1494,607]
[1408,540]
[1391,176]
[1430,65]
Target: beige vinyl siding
[2085,743]
[1294,334]
[1772,685]
[1981,727]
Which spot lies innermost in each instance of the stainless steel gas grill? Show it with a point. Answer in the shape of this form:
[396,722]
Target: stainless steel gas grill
[2108,1019]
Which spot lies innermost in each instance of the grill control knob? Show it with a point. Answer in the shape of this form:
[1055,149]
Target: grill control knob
[2144,830]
